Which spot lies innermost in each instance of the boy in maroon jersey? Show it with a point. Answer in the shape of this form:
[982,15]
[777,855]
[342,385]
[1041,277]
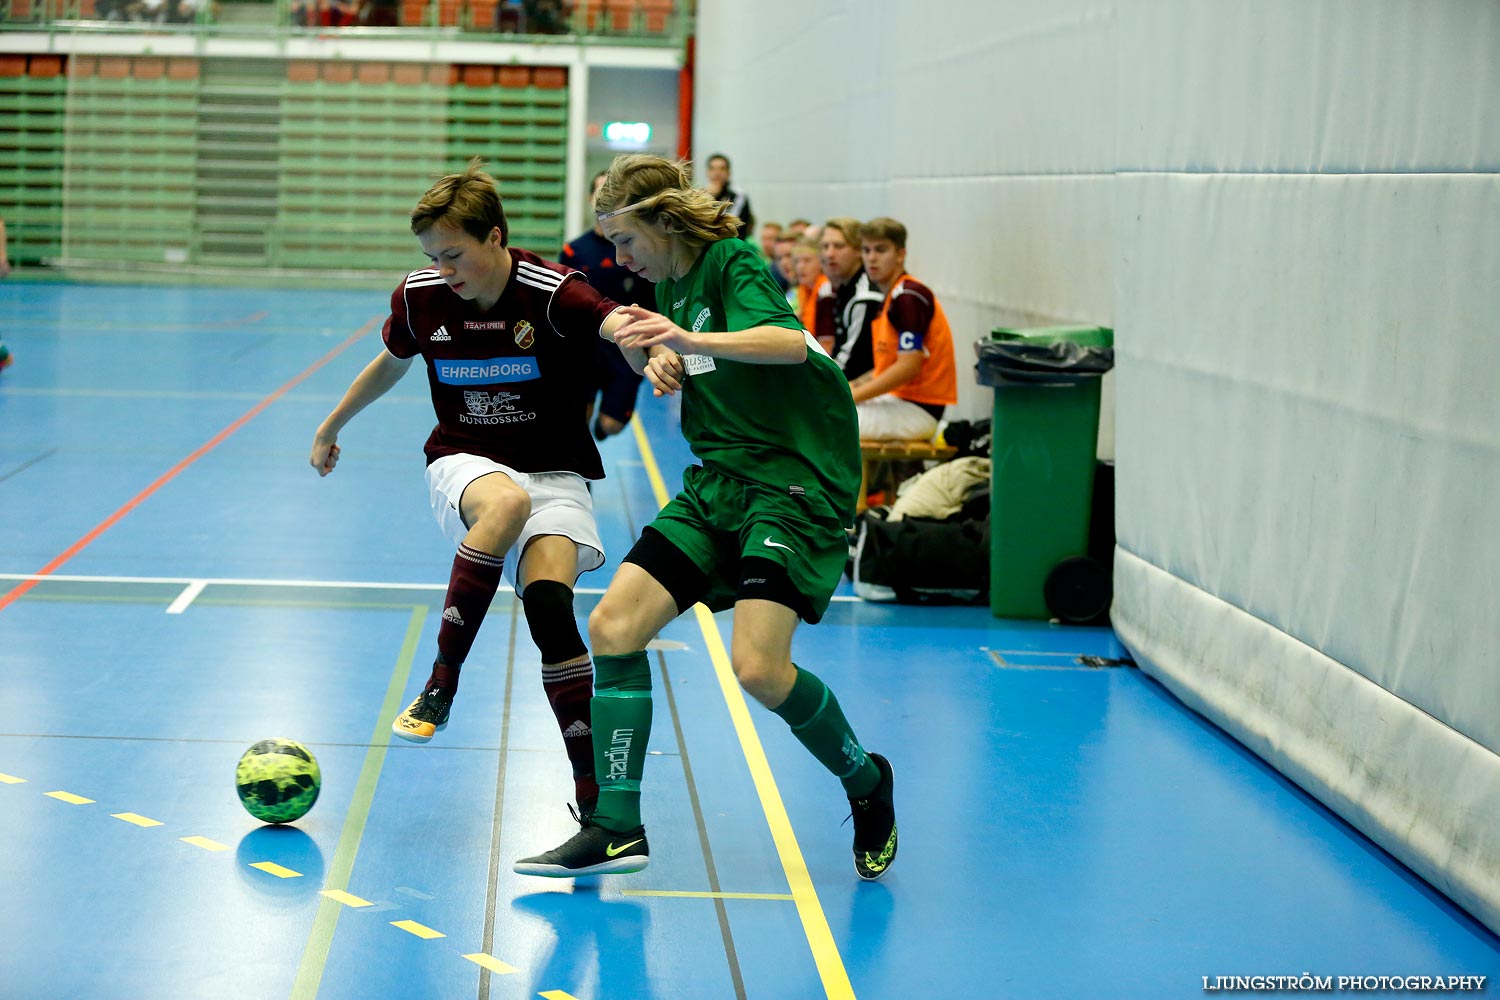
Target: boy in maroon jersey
[504,336]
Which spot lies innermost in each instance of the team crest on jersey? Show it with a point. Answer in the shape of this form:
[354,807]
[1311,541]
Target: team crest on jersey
[703,317]
[525,336]
[485,404]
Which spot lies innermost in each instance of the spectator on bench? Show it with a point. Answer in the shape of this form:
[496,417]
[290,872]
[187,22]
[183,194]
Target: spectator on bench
[770,232]
[784,267]
[914,377]
[847,303]
[807,266]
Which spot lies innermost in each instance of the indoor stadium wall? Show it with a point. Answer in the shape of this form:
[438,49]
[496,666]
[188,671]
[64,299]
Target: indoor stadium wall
[1287,211]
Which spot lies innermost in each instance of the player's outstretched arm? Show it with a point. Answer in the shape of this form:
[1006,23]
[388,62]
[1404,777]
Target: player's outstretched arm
[369,385]
[760,345]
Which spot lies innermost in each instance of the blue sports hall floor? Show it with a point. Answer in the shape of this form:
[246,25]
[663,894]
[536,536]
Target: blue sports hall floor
[178,584]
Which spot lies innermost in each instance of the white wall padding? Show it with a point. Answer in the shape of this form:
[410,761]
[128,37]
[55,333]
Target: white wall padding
[1307,239]
[1326,86]
[1413,785]
[1309,414]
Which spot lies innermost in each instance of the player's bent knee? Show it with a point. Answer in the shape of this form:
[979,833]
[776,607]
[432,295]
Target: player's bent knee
[549,616]
[762,676]
[509,505]
[512,505]
[610,632]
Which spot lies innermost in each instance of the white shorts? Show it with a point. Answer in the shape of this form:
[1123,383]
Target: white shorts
[891,418]
[560,505]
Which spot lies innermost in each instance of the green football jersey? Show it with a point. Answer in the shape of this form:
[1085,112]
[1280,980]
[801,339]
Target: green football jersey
[787,427]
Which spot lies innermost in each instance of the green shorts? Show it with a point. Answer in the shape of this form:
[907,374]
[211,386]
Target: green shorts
[717,521]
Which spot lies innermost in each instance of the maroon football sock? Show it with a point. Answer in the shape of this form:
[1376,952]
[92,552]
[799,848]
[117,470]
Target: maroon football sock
[569,688]
[471,588]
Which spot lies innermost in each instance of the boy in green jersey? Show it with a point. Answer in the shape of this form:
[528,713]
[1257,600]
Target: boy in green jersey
[758,527]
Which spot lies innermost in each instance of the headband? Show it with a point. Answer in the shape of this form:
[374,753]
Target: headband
[620,211]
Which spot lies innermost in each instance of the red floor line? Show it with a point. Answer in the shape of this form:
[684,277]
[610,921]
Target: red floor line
[243,320]
[20,590]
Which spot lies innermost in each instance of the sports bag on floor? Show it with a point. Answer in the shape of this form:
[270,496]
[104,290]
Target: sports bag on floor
[921,561]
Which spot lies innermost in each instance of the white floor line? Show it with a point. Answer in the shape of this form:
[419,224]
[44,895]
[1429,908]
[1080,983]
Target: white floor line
[188,596]
[246,582]
[201,583]
[226,581]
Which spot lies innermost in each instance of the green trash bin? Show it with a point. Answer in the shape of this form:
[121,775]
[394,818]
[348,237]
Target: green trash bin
[1044,439]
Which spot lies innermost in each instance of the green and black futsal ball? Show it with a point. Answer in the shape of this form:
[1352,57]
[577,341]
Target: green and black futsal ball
[278,780]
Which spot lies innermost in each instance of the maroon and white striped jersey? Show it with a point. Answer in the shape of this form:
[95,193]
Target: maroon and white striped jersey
[507,382]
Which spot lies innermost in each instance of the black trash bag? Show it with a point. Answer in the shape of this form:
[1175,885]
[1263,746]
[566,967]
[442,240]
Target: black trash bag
[1023,362]
[921,560]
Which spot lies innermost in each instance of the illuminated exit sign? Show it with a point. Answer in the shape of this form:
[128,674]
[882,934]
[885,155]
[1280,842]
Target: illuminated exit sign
[632,134]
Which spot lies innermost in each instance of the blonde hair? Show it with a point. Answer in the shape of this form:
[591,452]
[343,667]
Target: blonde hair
[850,228]
[885,228]
[806,246]
[656,188]
[469,201]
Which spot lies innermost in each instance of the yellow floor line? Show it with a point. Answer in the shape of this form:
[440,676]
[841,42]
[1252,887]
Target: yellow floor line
[347,898]
[69,797]
[420,930]
[825,951]
[492,963]
[273,868]
[137,819]
[11,779]
[205,843]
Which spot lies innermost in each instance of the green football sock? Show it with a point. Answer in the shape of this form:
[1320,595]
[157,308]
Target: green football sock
[818,722]
[621,713]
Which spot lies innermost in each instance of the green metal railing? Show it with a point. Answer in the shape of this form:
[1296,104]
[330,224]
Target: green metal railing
[31,165]
[157,163]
